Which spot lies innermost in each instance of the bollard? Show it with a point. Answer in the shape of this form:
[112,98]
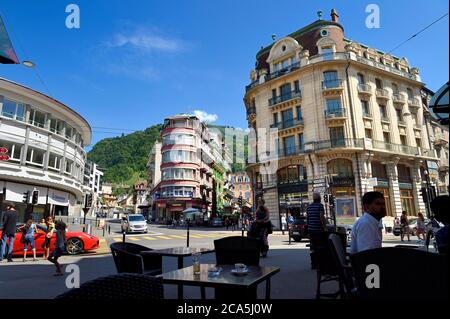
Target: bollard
[109,229]
[289,234]
[123,237]
[243,229]
[187,238]
[103,231]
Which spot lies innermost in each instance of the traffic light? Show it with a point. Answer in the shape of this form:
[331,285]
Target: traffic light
[88,201]
[331,200]
[240,200]
[26,197]
[325,198]
[423,193]
[35,197]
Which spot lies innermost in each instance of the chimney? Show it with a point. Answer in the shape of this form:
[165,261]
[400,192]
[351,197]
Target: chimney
[334,16]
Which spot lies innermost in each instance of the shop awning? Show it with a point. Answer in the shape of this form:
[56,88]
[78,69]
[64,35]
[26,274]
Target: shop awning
[439,104]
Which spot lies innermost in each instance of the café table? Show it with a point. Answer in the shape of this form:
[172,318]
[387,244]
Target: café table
[180,253]
[226,279]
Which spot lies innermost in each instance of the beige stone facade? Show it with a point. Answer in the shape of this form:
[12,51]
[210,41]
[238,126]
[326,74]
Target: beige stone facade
[338,112]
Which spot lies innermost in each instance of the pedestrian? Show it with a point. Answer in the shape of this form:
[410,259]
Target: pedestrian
[439,207]
[60,229]
[283,222]
[315,217]
[50,228]
[28,231]
[421,227]
[404,226]
[366,232]
[43,224]
[262,227]
[9,231]
[227,222]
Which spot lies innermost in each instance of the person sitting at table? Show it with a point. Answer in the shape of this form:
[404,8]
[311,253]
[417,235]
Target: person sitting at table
[366,233]
[439,207]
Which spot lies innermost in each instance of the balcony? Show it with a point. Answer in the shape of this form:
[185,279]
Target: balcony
[413,104]
[367,115]
[284,71]
[296,124]
[335,143]
[332,87]
[251,113]
[427,153]
[335,116]
[401,123]
[365,90]
[398,98]
[291,151]
[287,99]
[251,85]
[439,140]
[418,127]
[385,119]
[382,94]
[396,148]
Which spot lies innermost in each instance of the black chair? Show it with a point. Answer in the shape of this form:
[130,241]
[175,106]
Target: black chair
[237,249]
[322,260]
[128,258]
[403,274]
[121,286]
[232,250]
[428,239]
[343,266]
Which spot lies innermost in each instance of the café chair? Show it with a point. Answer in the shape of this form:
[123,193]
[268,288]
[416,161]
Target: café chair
[128,258]
[342,263]
[121,286]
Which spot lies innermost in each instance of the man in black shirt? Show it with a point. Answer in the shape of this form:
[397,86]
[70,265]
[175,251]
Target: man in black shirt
[8,231]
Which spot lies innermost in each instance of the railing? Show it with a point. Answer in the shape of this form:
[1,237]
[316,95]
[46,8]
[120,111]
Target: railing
[401,123]
[382,93]
[328,57]
[335,143]
[364,88]
[251,110]
[287,124]
[331,84]
[398,98]
[385,119]
[413,103]
[418,126]
[367,114]
[251,85]
[384,67]
[285,97]
[398,148]
[333,113]
[284,71]
[427,152]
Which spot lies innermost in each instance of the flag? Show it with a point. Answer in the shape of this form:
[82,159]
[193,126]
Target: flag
[7,54]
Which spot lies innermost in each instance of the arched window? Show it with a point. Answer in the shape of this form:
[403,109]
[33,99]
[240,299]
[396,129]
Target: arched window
[340,167]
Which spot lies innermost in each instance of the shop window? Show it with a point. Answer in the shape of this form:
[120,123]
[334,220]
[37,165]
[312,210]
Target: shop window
[340,167]
[407,200]
[404,174]
[35,157]
[13,150]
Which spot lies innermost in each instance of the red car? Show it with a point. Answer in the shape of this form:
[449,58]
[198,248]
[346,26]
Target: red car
[76,243]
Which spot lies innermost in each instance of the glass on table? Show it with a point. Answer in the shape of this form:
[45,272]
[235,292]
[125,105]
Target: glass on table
[196,263]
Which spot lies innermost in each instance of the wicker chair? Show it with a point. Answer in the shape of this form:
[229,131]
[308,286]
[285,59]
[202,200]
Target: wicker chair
[232,250]
[403,274]
[121,286]
[128,259]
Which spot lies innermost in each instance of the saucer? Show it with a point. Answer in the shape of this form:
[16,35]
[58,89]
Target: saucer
[239,272]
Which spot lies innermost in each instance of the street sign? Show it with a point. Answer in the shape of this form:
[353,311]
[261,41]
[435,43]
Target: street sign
[319,190]
[3,150]
[4,157]
[319,181]
[372,181]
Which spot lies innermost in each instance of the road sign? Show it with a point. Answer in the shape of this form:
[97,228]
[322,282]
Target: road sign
[3,150]
[319,190]
[319,185]
[319,181]
[4,157]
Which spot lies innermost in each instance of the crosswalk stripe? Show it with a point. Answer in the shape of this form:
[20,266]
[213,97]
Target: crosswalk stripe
[117,239]
[149,238]
[177,236]
[133,238]
[195,236]
[163,237]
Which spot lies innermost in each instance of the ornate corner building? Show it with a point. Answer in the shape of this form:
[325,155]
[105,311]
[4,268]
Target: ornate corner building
[324,108]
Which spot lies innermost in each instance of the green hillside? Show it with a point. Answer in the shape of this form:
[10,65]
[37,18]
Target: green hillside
[123,159]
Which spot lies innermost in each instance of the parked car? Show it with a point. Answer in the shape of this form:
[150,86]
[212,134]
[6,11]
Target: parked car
[134,223]
[76,243]
[299,229]
[217,222]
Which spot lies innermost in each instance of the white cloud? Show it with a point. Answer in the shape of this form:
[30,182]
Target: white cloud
[205,117]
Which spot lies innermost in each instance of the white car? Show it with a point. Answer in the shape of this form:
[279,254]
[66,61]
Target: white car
[134,223]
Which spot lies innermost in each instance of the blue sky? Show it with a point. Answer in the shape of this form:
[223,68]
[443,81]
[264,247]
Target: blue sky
[132,63]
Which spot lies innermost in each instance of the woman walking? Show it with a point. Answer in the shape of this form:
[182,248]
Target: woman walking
[421,228]
[60,242]
[404,224]
[28,238]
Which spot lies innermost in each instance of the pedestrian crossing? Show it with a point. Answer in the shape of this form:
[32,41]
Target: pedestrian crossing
[173,237]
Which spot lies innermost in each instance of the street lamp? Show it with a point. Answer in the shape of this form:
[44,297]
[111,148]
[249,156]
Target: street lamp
[29,64]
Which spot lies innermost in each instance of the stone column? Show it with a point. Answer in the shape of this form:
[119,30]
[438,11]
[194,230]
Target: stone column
[394,191]
[417,185]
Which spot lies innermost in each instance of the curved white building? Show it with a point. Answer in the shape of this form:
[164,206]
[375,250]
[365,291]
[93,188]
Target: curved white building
[45,140]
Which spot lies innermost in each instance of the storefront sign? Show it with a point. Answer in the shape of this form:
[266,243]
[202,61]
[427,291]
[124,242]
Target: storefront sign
[56,197]
[345,210]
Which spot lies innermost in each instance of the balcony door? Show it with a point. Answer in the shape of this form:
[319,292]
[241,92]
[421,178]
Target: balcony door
[285,91]
[330,79]
[288,118]
[337,136]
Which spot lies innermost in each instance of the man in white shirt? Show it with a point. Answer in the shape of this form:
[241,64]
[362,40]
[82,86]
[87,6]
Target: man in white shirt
[366,232]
